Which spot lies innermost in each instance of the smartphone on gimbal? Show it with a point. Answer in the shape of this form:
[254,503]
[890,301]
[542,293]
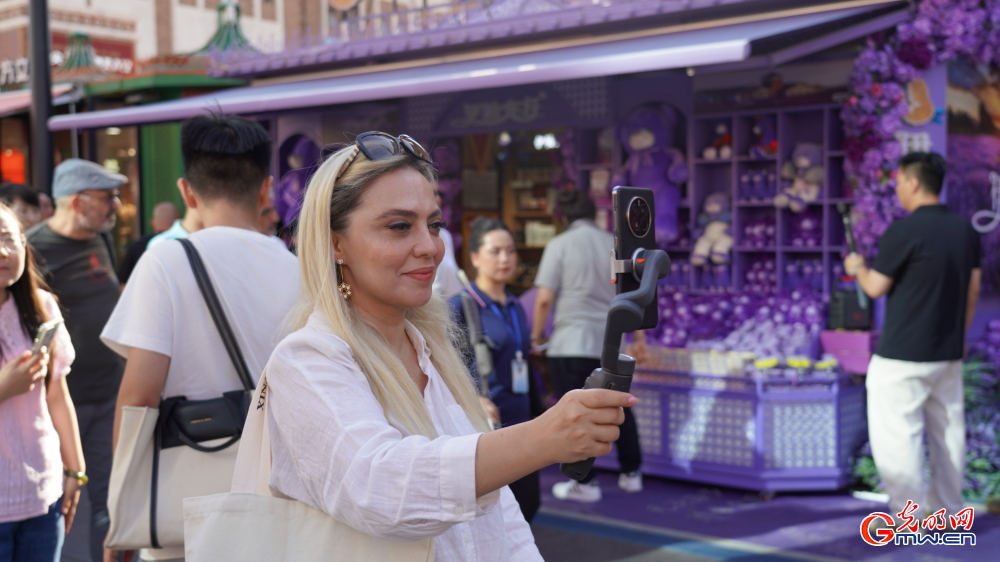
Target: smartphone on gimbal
[634,218]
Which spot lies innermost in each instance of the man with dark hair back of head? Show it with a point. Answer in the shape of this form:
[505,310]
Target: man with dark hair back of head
[165,214]
[226,158]
[575,205]
[573,275]
[162,325]
[927,168]
[929,266]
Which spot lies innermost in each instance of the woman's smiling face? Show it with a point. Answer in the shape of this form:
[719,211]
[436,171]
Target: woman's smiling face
[392,247]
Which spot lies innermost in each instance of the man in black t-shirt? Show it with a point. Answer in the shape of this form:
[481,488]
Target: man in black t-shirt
[77,257]
[928,264]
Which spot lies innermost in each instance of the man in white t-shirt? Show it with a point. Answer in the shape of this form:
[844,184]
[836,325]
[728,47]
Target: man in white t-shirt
[161,324]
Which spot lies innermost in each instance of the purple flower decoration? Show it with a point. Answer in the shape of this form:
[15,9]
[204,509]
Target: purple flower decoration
[940,30]
[915,52]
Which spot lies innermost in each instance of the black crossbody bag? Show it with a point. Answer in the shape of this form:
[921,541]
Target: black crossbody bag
[184,422]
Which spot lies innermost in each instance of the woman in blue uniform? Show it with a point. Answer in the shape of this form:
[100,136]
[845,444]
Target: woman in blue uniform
[505,332]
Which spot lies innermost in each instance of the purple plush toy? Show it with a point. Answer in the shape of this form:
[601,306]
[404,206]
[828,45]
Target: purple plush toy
[648,136]
[765,140]
[805,172]
[806,230]
[715,240]
[758,181]
[746,187]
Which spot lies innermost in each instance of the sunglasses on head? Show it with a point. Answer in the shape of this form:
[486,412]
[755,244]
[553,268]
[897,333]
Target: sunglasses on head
[376,145]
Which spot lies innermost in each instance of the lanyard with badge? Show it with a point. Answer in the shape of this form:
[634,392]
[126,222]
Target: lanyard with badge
[518,365]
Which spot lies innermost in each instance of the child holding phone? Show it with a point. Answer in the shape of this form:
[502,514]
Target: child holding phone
[42,459]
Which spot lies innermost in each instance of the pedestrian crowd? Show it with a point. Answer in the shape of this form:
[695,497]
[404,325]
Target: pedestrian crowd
[399,398]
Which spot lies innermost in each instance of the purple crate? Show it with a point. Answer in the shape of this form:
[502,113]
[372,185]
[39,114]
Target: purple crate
[853,349]
[765,435]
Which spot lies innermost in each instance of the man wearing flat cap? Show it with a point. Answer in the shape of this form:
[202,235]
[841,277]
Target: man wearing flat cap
[78,259]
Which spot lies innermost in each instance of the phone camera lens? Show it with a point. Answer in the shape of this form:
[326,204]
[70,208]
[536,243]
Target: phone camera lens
[639,218]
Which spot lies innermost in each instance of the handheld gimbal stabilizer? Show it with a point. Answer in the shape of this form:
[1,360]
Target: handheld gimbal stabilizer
[626,314]
[845,215]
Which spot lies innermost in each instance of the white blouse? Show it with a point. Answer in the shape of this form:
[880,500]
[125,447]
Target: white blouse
[333,449]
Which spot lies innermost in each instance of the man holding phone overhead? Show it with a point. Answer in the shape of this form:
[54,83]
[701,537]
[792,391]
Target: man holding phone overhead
[574,275]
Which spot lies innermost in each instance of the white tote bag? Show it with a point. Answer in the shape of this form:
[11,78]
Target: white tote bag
[184,472]
[251,524]
[181,471]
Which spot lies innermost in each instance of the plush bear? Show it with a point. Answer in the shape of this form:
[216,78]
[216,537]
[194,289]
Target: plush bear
[758,190]
[805,171]
[806,230]
[715,240]
[675,274]
[722,146]
[758,233]
[817,279]
[765,143]
[793,277]
[648,136]
[746,187]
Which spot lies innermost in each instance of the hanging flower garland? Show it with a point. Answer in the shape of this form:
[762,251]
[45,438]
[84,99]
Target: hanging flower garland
[940,30]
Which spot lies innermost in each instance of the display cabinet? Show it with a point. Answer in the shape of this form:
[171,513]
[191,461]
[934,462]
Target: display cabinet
[794,255]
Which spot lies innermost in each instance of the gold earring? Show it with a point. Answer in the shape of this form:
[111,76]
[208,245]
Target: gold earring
[345,289]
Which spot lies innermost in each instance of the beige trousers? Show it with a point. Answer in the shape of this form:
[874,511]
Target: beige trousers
[907,400]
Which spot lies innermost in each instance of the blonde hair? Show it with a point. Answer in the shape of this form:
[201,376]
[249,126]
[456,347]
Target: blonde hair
[327,208]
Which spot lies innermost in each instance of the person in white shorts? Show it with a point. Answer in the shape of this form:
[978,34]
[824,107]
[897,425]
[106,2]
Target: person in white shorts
[928,264]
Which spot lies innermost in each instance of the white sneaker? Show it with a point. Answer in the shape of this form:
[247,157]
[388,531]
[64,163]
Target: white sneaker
[630,482]
[575,491]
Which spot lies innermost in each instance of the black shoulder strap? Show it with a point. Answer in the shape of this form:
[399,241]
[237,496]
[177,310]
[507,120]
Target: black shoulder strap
[218,314]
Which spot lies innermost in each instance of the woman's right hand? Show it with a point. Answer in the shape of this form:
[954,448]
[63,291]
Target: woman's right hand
[21,374]
[584,423]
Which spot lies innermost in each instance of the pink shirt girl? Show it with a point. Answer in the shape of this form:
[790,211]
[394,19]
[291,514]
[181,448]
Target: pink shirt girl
[31,466]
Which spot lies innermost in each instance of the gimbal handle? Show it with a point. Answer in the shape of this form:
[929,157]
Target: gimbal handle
[626,314]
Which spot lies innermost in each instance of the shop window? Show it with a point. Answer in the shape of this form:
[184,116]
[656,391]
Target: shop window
[117,150]
[12,165]
[532,167]
[14,150]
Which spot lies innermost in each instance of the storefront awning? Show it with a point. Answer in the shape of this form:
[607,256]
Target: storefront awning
[707,46]
[18,101]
